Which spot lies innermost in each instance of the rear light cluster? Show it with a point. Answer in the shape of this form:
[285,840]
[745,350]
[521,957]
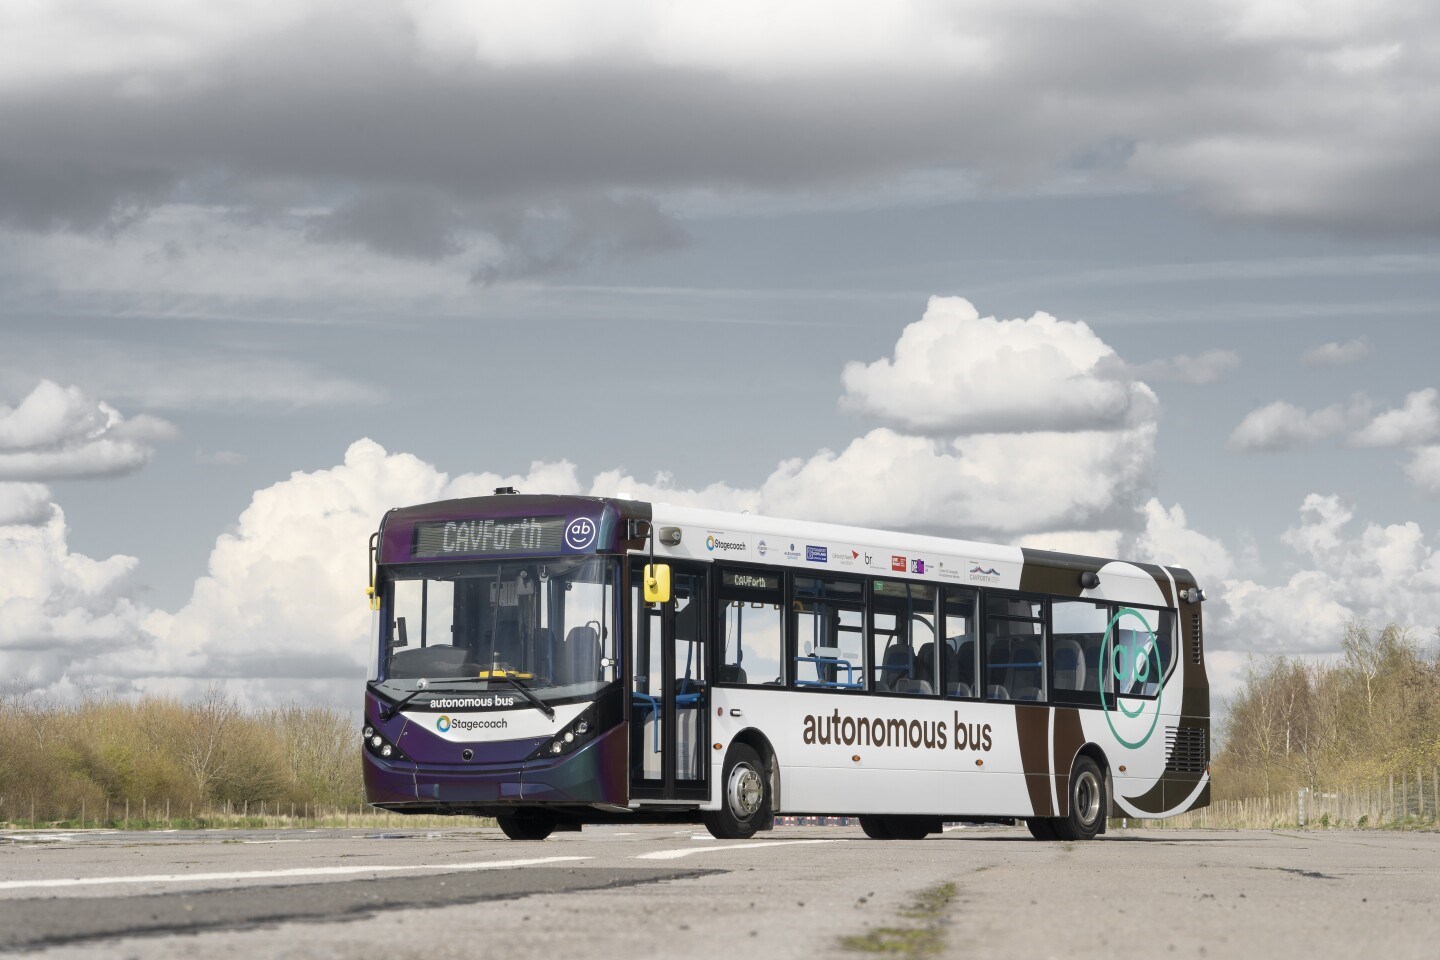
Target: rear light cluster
[579,731]
[377,746]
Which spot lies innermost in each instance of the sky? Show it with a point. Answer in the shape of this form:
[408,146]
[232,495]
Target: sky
[1150,280]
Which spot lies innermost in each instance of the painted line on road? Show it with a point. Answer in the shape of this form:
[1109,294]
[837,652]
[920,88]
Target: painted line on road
[282,874]
[687,851]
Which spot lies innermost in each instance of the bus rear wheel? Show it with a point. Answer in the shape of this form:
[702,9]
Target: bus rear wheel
[1040,828]
[912,828]
[744,796]
[876,828]
[532,827]
[1088,803]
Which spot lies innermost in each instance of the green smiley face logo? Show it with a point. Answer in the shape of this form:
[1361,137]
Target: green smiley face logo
[1126,666]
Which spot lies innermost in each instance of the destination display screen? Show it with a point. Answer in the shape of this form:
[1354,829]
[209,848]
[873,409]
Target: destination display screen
[508,535]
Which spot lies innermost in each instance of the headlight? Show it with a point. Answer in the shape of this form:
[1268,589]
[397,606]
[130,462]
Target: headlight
[378,746]
[571,736]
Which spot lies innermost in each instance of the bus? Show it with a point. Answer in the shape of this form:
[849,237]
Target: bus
[553,661]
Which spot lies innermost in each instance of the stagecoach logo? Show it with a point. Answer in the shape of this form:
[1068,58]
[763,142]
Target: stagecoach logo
[713,543]
[580,533]
[443,724]
[979,573]
[816,554]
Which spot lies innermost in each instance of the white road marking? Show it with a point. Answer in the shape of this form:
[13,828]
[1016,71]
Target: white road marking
[687,851]
[277,874]
[274,841]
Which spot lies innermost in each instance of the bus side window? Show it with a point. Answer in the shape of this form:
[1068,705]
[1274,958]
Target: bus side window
[750,629]
[959,653]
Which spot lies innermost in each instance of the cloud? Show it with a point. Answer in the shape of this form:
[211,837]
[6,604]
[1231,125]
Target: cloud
[1336,354]
[1415,424]
[1284,426]
[957,373]
[1380,573]
[1167,539]
[1424,470]
[503,144]
[59,433]
[1200,369]
[63,615]
[24,504]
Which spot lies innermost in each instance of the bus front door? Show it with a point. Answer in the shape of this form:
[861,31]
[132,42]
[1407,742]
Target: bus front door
[670,697]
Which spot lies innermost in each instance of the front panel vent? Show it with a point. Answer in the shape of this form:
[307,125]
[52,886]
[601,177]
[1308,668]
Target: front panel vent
[1185,750]
[1194,638]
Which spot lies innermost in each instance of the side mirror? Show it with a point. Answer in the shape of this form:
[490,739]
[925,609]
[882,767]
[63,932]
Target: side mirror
[657,583]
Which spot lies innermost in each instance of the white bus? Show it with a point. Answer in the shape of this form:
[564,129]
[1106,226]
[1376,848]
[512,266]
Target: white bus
[778,666]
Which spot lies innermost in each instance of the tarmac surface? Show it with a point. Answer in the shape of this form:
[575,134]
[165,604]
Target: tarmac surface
[669,892]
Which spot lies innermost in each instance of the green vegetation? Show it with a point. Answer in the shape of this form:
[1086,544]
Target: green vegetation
[1373,714]
[924,936]
[157,760]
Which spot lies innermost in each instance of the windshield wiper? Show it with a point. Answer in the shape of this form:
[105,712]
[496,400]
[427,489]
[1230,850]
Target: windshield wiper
[388,710]
[529,694]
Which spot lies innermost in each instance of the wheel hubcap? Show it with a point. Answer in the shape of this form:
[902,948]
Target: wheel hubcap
[1087,798]
[744,791]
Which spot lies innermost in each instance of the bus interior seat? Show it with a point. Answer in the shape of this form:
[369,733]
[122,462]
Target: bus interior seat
[1025,654]
[1069,665]
[1027,693]
[895,667]
[996,692]
[433,661]
[959,690]
[731,673]
[963,661]
[925,663]
[909,685]
[581,658]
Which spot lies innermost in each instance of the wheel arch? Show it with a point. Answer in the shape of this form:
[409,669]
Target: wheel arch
[1095,753]
[760,743]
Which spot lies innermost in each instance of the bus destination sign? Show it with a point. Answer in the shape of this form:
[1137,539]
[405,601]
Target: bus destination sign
[509,535]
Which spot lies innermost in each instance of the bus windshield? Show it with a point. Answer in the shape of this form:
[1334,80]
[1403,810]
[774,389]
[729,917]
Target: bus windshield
[545,621]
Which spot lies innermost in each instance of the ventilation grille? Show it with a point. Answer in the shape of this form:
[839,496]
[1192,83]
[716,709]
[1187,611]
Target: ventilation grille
[1185,748]
[1194,638]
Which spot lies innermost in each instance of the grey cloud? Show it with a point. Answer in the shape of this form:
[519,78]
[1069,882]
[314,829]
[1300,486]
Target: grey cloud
[418,149]
[42,194]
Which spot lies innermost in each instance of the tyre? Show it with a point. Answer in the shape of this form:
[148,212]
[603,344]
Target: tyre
[912,828]
[876,828]
[533,827]
[1041,828]
[744,796]
[1088,803]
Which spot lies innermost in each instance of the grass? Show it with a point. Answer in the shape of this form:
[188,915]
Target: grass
[923,936]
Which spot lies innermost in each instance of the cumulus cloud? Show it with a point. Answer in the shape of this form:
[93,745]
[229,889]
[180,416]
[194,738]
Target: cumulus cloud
[64,616]
[1415,424]
[1168,539]
[1335,354]
[59,433]
[1284,426]
[957,373]
[1379,573]
[24,504]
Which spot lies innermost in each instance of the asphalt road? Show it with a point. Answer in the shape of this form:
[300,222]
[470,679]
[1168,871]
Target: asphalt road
[666,892]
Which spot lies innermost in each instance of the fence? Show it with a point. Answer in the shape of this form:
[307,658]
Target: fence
[20,813]
[1409,800]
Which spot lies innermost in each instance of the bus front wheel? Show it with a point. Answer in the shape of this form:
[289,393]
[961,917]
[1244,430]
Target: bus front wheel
[744,796]
[876,828]
[536,827]
[1088,803]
